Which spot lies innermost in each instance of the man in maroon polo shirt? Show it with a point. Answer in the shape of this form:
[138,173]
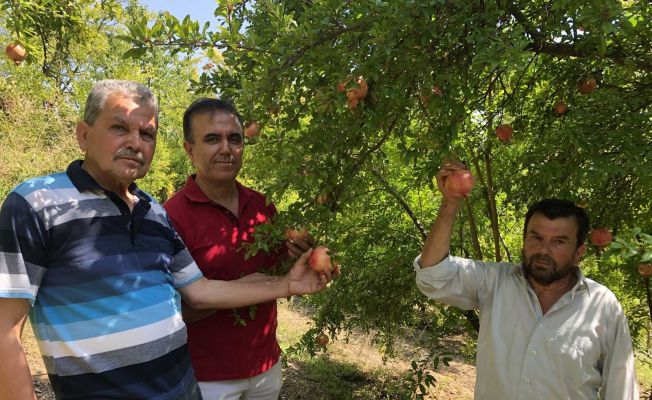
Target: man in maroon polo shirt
[215,214]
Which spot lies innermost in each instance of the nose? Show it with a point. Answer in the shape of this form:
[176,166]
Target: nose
[546,247]
[134,141]
[540,247]
[223,146]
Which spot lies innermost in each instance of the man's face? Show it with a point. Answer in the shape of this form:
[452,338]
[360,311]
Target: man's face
[120,144]
[218,146]
[550,251]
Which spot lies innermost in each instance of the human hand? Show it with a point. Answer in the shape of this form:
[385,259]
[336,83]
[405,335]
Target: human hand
[454,181]
[298,242]
[303,280]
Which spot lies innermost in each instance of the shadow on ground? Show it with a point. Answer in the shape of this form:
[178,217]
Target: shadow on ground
[322,378]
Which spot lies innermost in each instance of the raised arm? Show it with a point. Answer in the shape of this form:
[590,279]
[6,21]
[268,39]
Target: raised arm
[215,294]
[15,377]
[437,244]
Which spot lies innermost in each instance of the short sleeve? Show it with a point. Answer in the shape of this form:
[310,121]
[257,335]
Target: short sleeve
[23,249]
[184,269]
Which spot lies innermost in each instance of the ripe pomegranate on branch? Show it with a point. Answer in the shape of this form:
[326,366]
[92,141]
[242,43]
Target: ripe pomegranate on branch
[354,96]
[252,130]
[504,132]
[16,52]
[587,86]
[601,237]
[560,108]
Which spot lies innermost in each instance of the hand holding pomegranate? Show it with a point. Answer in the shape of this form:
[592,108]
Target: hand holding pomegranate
[454,180]
[302,279]
[299,240]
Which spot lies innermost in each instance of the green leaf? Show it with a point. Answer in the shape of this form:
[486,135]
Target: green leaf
[126,38]
[136,52]
[646,257]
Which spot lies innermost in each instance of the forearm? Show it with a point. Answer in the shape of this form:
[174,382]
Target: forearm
[15,377]
[193,314]
[437,244]
[216,294]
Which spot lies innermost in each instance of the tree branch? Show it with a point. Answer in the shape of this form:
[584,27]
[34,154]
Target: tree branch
[323,38]
[401,202]
[540,45]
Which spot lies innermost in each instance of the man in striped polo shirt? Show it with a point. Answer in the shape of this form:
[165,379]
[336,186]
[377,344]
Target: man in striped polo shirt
[100,270]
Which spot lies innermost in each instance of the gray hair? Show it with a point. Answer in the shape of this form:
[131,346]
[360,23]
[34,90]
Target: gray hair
[103,89]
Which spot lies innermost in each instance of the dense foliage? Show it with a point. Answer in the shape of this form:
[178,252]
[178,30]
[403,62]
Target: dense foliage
[71,45]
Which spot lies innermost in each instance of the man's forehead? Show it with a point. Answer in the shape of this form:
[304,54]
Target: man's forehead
[118,106]
[120,100]
[561,225]
[217,118]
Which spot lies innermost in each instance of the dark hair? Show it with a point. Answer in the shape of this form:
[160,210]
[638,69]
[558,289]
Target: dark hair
[206,105]
[556,208]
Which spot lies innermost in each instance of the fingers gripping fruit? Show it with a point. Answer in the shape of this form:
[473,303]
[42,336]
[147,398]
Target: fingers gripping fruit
[459,183]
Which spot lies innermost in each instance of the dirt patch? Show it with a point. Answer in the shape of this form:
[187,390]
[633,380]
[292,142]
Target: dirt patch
[368,374]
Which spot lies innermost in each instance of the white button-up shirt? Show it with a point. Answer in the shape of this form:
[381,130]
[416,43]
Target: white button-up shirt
[580,349]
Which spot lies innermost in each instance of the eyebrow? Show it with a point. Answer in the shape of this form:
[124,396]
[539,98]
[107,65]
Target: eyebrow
[220,134]
[533,232]
[149,129]
[120,119]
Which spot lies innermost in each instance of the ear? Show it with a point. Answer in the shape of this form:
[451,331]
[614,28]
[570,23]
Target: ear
[579,253]
[189,148]
[82,132]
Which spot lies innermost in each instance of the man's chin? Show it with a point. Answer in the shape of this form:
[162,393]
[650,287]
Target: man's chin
[544,280]
[131,174]
[545,277]
[222,177]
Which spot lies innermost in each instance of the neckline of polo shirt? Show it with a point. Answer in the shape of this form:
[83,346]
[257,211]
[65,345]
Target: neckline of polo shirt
[194,193]
[83,181]
[80,178]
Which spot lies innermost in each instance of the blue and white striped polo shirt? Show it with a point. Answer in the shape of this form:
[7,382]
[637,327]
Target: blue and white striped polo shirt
[102,281]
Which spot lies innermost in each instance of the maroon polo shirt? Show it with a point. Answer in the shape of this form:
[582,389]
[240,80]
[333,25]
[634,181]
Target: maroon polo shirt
[220,348]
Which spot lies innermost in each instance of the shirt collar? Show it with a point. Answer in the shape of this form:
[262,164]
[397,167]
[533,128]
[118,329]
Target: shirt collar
[582,282]
[83,181]
[194,193]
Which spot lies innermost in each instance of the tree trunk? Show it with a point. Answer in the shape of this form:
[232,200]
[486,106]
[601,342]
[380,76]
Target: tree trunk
[491,198]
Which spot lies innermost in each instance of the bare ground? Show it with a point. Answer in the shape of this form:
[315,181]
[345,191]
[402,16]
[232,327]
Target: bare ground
[372,377]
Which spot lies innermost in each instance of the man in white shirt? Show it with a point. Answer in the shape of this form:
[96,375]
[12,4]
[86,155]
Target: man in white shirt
[546,331]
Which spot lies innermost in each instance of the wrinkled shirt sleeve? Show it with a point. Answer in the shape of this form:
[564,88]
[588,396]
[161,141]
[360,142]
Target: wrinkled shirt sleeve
[618,373]
[457,281]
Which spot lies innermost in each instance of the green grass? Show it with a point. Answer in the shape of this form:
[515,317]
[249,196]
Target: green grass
[644,370]
[324,376]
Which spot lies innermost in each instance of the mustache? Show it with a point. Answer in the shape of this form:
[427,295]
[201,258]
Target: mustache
[128,153]
[543,258]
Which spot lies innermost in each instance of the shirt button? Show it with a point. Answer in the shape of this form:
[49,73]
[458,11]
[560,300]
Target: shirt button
[540,324]
[526,380]
[534,352]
